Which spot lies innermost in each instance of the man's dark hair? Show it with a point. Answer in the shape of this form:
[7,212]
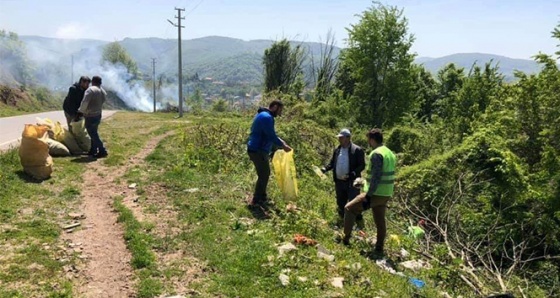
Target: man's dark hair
[96,80]
[85,79]
[275,103]
[376,135]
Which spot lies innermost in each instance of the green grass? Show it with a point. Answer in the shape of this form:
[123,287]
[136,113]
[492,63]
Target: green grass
[241,257]
[30,220]
[139,243]
[125,133]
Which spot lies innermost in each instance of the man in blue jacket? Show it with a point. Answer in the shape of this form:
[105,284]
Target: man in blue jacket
[262,138]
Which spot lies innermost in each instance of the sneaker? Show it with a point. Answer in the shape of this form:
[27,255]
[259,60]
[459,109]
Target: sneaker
[101,155]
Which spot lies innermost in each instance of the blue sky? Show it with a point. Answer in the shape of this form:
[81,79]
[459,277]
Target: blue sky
[514,28]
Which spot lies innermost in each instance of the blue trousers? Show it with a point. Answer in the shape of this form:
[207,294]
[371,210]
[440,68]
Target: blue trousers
[92,126]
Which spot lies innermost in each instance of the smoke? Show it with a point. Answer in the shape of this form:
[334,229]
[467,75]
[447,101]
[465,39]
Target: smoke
[168,95]
[54,66]
[117,79]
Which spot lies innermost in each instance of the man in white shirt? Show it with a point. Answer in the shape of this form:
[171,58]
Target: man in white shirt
[347,163]
[91,108]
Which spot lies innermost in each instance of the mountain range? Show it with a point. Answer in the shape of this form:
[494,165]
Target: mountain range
[221,58]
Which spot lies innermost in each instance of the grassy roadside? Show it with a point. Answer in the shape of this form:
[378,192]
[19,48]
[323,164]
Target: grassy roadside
[31,216]
[189,230]
[35,262]
[206,177]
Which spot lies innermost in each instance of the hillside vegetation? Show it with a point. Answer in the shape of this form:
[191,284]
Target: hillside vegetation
[14,101]
[240,61]
[478,157]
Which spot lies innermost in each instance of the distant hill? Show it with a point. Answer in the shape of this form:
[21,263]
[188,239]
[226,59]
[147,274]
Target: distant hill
[221,58]
[506,65]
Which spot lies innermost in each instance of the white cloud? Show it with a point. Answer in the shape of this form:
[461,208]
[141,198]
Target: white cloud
[70,31]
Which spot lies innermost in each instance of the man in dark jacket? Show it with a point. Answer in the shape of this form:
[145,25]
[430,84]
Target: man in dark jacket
[347,163]
[74,98]
[261,139]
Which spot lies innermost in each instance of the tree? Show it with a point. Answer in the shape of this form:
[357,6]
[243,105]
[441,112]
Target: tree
[426,92]
[463,99]
[282,66]
[380,62]
[343,78]
[451,80]
[114,53]
[13,58]
[325,69]
[220,105]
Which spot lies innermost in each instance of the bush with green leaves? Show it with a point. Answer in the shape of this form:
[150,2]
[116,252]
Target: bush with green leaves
[480,203]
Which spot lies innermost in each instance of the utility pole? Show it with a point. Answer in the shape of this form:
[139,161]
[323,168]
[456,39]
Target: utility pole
[154,80]
[178,25]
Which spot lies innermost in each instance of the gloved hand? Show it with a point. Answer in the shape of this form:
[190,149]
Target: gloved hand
[358,183]
[323,170]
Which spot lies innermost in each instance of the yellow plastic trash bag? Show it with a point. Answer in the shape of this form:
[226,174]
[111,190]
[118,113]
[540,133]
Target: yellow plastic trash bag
[57,148]
[58,132]
[394,239]
[34,152]
[319,173]
[285,173]
[81,136]
[48,122]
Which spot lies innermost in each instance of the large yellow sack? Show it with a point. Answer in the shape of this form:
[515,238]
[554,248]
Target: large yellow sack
[34,152]
[81,136]
[285,173]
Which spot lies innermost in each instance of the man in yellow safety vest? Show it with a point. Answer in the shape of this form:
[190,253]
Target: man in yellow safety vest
[377,190]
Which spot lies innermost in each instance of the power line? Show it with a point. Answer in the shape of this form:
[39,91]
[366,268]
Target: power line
[196,6]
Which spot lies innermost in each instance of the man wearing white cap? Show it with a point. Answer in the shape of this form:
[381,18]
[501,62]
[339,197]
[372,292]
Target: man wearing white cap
[347,163]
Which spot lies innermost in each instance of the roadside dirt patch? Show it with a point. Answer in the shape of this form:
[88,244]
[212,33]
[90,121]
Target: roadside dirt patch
[106,271]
